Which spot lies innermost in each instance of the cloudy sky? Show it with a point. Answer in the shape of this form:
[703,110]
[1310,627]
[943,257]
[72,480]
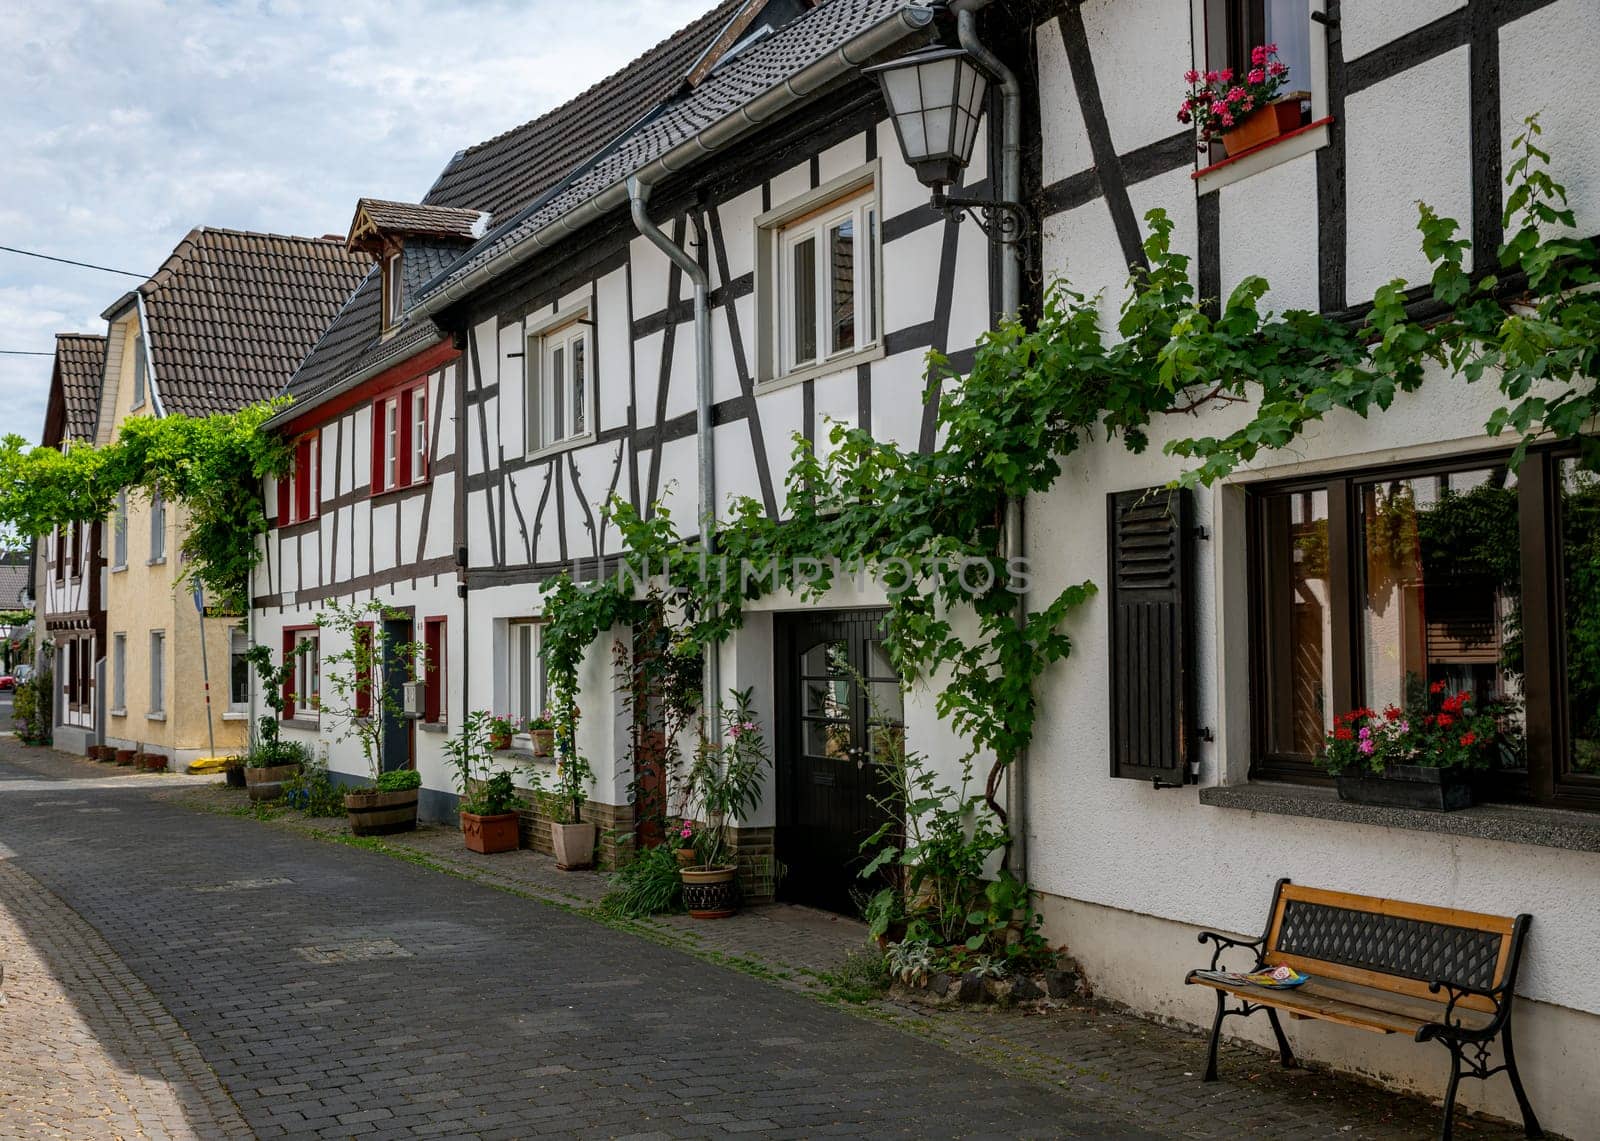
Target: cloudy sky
[129,122]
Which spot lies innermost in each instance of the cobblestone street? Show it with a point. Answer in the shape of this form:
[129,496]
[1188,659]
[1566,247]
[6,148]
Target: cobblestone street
[173,972]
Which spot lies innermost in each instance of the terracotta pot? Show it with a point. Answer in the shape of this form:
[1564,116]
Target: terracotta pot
[266,783]
[490,834]
[1262,126]
[153,762]
[686,857]
[574,845]
[711,891]
[380,813]
[544,742]
[125,756]
[498,741]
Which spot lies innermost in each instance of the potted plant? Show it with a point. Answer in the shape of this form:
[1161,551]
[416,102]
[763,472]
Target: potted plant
[1420,757]
[572,837]
[271,760]
[489,801]
[542,730]
[684,849]
[725,780]
[500,729]
[357,697]
[1242,111]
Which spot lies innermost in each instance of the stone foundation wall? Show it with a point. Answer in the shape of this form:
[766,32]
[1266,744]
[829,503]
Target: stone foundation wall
[755,849]
[614,827]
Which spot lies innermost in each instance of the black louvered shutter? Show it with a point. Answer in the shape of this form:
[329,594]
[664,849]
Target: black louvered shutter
[1151,643]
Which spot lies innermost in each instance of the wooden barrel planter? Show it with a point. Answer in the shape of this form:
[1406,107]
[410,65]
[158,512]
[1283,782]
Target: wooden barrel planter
[710,892]
[380,813]
[125,756]
[234,774]
[490,834]
[266,782]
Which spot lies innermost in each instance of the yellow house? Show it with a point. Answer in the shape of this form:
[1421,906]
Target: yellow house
[220,326]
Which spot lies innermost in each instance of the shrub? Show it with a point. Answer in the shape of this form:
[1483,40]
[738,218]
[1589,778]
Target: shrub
[650,885]
[493,797]
[277,751]
[399,780]
[313,792]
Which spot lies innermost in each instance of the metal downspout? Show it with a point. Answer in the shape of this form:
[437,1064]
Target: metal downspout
[638,198]
[1010,304]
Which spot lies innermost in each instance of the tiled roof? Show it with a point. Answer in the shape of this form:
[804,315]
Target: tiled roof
[754,71]
[231,314]
[13,580]
[501,176]
[509,171]
[408,218]
[80,360]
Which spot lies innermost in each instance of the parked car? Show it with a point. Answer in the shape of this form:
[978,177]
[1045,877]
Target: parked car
[8,682]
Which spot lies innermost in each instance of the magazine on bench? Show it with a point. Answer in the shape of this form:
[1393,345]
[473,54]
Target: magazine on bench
[1275,978]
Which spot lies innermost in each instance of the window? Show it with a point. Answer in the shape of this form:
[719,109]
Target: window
[1234,27]
[822,300]
[158,672]
[1374,588]
[303,690]
[77,550]
[433,665]
[558,395]
[525,671]
[138,371]
[364,648]
[119,673]
[158,527]
[119,531]
[238,670]
[393,291]
[58,552]
[400,439]
[305,481]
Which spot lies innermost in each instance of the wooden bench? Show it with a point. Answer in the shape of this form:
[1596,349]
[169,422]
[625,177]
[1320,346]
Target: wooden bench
[1381,965]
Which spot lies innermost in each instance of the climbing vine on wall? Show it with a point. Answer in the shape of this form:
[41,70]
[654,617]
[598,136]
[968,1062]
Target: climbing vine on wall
[930,524]
[213,466]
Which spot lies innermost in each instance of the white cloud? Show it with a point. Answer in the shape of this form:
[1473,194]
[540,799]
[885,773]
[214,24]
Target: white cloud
[135,121]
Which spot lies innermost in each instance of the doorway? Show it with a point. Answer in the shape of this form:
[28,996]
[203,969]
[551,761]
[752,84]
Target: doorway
[398,750]
[839,709]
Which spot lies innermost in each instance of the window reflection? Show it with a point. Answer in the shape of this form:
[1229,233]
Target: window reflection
[1580,580]
[1298,663]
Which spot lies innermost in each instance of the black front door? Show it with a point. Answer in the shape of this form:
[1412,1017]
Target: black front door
[839,706]
[397,730]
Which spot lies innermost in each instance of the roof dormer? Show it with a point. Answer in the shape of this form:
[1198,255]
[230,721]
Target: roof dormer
[387,229]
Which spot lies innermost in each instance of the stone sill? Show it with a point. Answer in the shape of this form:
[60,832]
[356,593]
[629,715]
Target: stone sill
[1508,823]
[433,726]
[300,723]
[1235,168]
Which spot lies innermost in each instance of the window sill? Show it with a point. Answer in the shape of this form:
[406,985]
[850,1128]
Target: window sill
[120,567]
[1274,152]
[116,712]
[156,562]
[1508,823]
[840,363]
[381,493]
[300,723]
[235,715]
[433,726]
[155,716]
[560,446]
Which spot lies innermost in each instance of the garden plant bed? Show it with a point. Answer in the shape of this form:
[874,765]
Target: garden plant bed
[944,989]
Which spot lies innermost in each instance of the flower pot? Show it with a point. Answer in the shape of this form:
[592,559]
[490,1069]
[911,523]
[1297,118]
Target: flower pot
[103,753]
[686,857]
[266,782]
[544,742]
[499,741]
[1262,126]
[574,845]
[489,834]
[1408,786]
[152,762]
[711,891]
[381,813]
[125,756]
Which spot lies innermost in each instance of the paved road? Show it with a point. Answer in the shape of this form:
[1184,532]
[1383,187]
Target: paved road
[339,993]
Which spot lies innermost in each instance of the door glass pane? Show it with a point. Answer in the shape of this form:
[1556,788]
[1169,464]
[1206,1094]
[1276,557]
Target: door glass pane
[579,382]
[842,286]
[804,300]
[826,659]
[1441,592]
[1298,622]
[1580,579]
[826,697]
[831,739]
[558,391]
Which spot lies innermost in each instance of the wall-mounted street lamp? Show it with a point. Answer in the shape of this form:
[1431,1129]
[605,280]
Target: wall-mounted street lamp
[936,98]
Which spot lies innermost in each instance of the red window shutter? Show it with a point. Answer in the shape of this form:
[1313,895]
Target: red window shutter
[402,413]
[288,682]
[433,688]
[377,446]
[303,478]
[283,497]
[364,671]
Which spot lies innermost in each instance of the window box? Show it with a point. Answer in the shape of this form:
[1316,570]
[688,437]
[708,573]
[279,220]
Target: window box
[1408,786]
[1262,126]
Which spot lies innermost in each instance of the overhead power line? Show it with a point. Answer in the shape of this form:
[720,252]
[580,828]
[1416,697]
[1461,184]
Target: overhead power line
[69,261]
[25,353]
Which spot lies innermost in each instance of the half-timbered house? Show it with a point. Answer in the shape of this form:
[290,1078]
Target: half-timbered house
[69,564]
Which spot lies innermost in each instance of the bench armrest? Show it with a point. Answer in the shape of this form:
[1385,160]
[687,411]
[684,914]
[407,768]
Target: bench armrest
[1224,942]
[1450,1025]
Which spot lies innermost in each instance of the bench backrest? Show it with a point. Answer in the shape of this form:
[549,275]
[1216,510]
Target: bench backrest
[1386,943]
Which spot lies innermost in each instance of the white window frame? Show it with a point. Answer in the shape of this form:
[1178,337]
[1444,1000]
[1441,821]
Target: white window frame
[158,674]
[238,646]
[560,334]
[417,400]
[141,372]
[119,675]
[307,685]
[158,528]
[392,289]
[391,443]
[853,198]
[525,696]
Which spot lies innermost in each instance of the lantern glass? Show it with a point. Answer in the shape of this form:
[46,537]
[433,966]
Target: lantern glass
[936,99]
